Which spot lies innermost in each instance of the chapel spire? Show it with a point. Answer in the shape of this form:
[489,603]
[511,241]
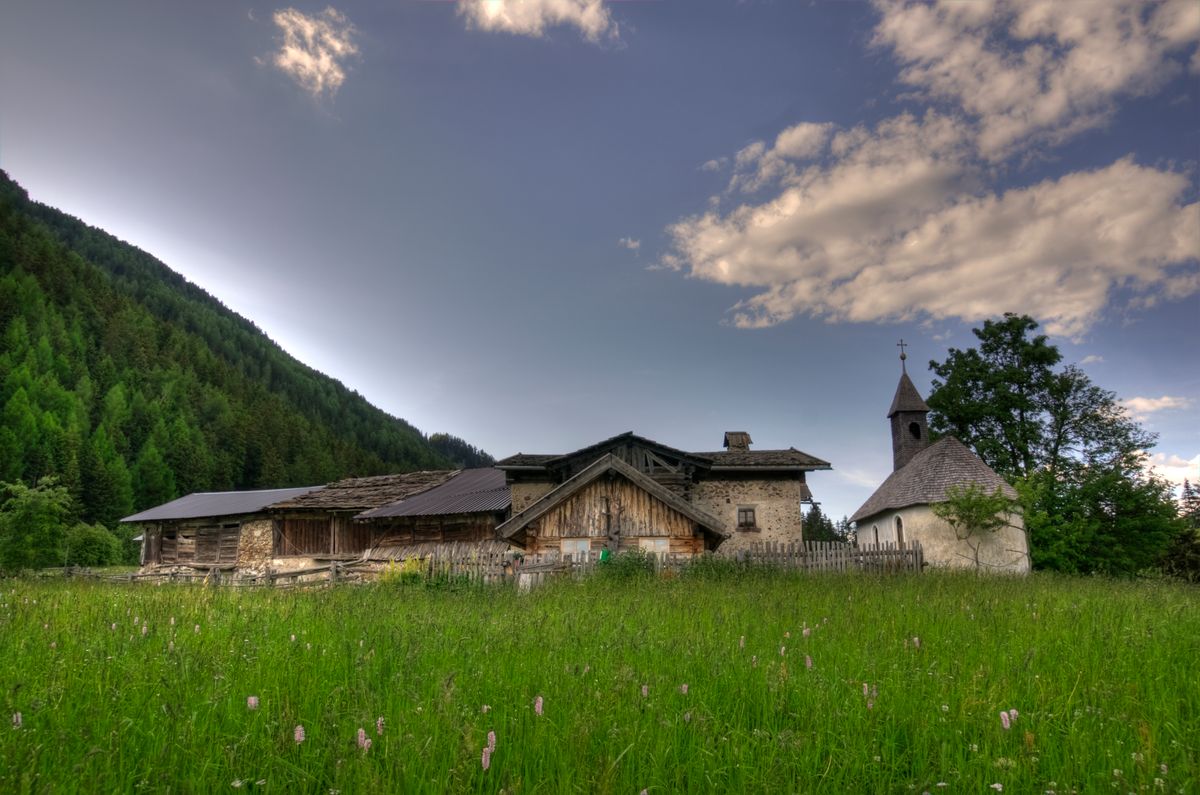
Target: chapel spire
[910,429]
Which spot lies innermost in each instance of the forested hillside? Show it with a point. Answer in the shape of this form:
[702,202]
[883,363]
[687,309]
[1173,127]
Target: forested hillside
[133,386]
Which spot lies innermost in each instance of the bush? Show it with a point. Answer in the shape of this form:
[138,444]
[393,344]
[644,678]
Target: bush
[627,565]
[92,545]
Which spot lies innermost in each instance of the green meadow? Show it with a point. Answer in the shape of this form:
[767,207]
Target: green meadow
[747,682]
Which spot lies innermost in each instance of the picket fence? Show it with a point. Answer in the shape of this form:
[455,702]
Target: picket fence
[465,563]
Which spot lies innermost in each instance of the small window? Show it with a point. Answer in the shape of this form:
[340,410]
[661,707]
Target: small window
[745,517]
[577,548]
[899,531]
[914,429]
[875,531]
[655,546]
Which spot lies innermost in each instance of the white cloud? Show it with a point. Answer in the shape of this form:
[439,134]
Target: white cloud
[1092,358]
[1175,468]
[1038,69]
[533,17]
[315,48]
[1140,407]
[630,243]
[896,222]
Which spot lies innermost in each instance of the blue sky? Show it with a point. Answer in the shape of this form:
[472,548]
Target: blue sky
[537,224]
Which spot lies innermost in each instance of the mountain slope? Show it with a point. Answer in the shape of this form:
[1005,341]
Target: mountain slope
[132,385]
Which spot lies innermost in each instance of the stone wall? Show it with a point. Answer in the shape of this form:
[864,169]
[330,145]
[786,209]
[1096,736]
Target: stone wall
[776,505]
[526,494]
[255,545]
[1006,550]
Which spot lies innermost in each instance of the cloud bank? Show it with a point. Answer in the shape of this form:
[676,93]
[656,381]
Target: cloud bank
[314,48]
[534,17]
[896,221]
[1141,407]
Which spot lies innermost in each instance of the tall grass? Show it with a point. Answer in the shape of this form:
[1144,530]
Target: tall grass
[123,688]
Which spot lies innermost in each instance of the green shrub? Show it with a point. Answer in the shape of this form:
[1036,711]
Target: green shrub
[92,545]
[627,565]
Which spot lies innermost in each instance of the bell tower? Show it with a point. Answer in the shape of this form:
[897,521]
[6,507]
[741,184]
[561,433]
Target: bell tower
[910,429]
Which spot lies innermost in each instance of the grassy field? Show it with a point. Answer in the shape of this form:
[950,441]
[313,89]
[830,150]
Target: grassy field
[760,683]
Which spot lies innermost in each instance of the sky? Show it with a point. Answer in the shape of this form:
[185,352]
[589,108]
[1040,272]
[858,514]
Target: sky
[539,224]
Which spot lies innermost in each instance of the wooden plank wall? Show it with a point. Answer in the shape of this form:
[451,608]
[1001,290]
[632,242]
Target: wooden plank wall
[631,511]
[206,544]
[449,529]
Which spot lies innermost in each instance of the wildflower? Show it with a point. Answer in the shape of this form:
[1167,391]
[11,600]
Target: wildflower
[363,741]
[537,705]
[644,792]
[945,707]
[870,704]
[787,634]
[645,690]
[683,688]
[1004,720]
[687,717]
[754,661]
[782,650]
[808,662]
[1117,773]
[998,787]
[54,644]
[293,637]
[113,628]
[379,726]
[1159,783]
[251,702]
[16,720]
[236,783]
[742,642]
[486,759]
[486,708]
[1162,769]
[298,734]
[145,629]
[916,642]
[866,690]
[172,620]
[1013,714]
[196,629]
[941,784]
[491,742]
[171,645]
[135,621]
[806,632]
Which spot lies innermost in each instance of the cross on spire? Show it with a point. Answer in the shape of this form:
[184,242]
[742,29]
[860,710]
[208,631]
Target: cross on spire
[902,345]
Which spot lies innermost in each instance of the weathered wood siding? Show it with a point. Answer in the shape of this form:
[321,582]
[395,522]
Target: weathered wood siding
[321,535]
[614,506]
[199,544]
[451,528]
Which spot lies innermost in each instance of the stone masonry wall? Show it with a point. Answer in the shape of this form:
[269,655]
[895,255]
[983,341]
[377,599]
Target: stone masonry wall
[776,505]
[255,545]
[526,494]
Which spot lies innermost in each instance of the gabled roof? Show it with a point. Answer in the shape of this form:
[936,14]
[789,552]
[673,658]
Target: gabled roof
[790,458]
[609,463]
[925,479]
[907,397]
[362,494]
[204,504]
[470,491]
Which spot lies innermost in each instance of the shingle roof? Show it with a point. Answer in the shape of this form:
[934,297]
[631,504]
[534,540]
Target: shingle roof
[907,397]
[362,494]
[758,459]
[925,479]
[765,459]
[218,503]
[470,491]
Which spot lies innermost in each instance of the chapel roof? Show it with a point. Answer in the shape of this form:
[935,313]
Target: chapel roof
[926,478]
[907,397]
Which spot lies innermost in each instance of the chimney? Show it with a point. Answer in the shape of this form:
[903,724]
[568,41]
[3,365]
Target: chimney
[737,440]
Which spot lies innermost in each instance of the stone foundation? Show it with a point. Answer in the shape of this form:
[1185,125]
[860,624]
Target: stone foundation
[255,545]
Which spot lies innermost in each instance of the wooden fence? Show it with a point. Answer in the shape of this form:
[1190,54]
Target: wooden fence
[463,562]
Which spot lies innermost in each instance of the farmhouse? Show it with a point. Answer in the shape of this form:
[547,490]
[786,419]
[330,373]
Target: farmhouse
[899,511]
[630,492]
[224,529]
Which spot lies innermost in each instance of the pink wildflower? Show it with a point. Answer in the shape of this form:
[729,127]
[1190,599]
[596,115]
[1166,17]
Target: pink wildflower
[808,662]
[17,720]
[866,690]
[782,650]
[486,759]
[683,688]
[1013,714]
[537,705]
[491,742]
[806,632]
[251,702]
[363,741]
[645,690]
[1004,720]
[299,734]
[379,726]
[870,704]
